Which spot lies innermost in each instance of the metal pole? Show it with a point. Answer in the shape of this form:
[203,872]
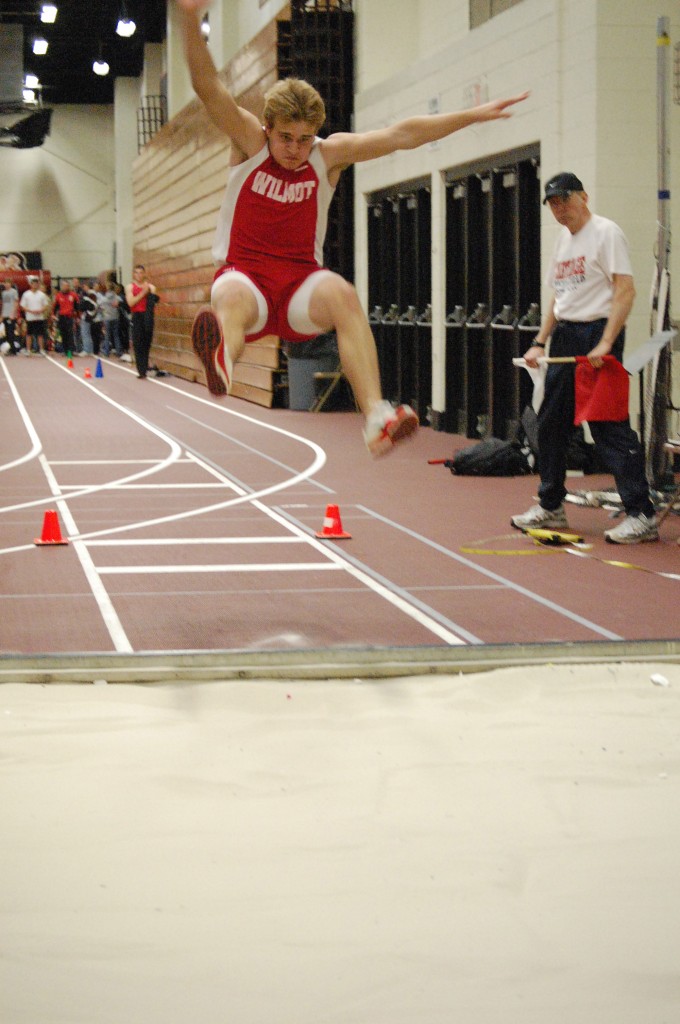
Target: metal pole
[659,377]
[663,148]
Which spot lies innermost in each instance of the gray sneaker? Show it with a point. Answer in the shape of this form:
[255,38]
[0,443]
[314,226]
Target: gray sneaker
[539,518]
[633,530]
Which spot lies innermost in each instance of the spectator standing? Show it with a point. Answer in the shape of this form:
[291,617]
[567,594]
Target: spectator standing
[98,322]
[109,308]
[88,310]
[77,287]
[10,309]
[141,298]
[35,304]
[65,312]
[124,318]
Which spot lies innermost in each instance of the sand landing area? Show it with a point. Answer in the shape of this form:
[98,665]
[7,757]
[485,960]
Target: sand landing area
[500,847]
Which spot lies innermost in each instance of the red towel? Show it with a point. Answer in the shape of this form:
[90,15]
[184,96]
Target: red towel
[600,394]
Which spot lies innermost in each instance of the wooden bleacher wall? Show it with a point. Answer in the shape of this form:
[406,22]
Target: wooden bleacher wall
[178,184]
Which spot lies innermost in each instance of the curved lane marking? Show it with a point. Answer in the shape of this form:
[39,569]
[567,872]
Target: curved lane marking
[175,452]
[36,444]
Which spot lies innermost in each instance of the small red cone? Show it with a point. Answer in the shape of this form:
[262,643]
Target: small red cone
[332,525]
[69,364]
[88,373]
[51,531]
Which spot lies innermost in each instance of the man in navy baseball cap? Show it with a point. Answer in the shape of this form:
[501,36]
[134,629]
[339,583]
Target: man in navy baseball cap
[562,185]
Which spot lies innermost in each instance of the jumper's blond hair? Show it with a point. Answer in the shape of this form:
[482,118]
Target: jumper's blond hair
[292,99]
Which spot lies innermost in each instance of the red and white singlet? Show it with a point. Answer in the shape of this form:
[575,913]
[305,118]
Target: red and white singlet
[272,222]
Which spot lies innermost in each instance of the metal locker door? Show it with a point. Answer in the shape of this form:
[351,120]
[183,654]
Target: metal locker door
[505,270]
[477,331]
[423,330]
[529,259]
[386,327]
[407,258]
[455,419]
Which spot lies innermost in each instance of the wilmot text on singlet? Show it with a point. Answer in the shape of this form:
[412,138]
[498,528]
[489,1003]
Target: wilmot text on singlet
[281,191]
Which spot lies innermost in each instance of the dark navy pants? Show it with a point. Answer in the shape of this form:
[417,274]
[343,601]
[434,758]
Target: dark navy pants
[617,443]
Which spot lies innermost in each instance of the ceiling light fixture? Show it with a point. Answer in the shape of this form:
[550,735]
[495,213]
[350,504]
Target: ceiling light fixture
[205,27]
[126,26]
[48,13]
[29,96]
[100,67]
[31,81]
[40,47]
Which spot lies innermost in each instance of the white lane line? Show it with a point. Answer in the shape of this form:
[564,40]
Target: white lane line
[228,411]
[426,621]
[130,542]
[244,496]
[175,451]
[427,616]
[36,446]
[246,567]
[247,447]
[113,462]
[159,487]
[409,606]
[104,603]
[546,602]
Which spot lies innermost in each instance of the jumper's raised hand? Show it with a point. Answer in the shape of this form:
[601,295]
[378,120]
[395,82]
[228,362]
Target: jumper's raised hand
[496,109]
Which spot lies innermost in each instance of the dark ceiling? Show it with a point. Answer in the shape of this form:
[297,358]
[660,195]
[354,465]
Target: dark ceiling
[80,29]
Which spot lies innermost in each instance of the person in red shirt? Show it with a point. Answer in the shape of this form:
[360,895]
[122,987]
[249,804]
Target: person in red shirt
[273,221]
[141,297]
[65,312]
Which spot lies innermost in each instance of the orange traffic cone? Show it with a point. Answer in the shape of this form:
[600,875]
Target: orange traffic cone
[51,531]
[69,364]
[332,525]
[88,373]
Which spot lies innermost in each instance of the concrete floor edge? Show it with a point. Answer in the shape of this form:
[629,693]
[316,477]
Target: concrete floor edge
[340,663]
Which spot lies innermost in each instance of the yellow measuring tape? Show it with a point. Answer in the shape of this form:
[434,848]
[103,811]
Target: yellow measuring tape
[547,542]
[544,542]
[624,565]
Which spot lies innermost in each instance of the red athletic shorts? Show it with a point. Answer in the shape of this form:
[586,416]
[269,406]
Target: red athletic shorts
[276,283]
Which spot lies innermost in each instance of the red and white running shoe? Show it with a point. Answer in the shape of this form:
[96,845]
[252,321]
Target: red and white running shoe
[386,426]
[208,343]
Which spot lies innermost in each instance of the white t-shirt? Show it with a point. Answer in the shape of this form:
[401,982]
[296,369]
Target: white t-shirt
[582,268]
[34,304]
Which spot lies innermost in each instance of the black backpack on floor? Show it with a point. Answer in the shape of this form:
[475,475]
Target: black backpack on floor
[492,457]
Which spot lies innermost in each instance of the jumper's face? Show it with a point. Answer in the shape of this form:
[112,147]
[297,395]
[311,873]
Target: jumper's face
[138,275]
[290,142]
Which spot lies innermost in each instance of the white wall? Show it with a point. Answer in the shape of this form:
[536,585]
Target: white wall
[127,101]
[397,34]
[58,199]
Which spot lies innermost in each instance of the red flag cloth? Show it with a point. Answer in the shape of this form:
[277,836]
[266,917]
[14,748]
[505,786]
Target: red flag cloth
[600,394]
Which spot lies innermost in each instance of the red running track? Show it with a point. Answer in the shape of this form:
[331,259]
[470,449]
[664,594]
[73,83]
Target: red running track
[191,524]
